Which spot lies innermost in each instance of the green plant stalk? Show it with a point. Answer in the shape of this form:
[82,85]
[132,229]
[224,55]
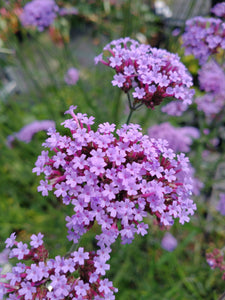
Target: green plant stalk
[79,84]
[116,107]
[28,73]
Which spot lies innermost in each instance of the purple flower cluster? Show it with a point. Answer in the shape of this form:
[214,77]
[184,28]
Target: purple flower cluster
[114,180]
[153,74]
[219,10]
[77,276]
[169,242]
[39,13]
[28,131]
[203,37]
[211,80]
[71,76]
[179,139]
[221,204]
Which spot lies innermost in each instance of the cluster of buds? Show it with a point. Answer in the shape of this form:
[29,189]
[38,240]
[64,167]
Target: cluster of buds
[215,259]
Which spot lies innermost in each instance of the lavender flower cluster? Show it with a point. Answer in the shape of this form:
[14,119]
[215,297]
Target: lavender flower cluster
[53,279]
[221,204]
[115,181]
[203,37]
[39,13]
[28,131]
[212,81]
[72,76]
[219,10]
[153,74]
[179,139]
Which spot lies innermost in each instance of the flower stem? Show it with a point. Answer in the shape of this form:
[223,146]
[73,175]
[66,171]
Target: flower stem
[130,114]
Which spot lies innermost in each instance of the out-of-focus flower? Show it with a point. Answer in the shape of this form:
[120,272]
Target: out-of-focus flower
[176,32]
[27,132]
[211,80]
[169,242]
[179,139]
[215,259]
[219,10]
[71,77]
[221,204]
[39,13]
[210,104]
[4,257]
[152,74]
[65,11]
[203,37]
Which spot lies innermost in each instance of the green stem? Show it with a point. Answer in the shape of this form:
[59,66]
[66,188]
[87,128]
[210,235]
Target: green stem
[117,106]
[129,117]
[28,73]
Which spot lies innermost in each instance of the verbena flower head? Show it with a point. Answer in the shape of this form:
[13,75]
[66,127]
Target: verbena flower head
[152,74]
[211,80]
[211,104]
[114,177]
[203,37]
[71,76]
[221,204]
[38,277]
[179,139]
[39,13]
[219,10]
[169,242]
[27,132]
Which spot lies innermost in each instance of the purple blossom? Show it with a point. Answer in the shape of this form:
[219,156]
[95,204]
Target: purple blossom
[36,240]
[108,189]
[39,13]
[4,257]
[212,81]
[74,277]
[71,77]
[27,132]
[211,104]
[169,242]
[151,74]
[10,242]
[179,139]
[212,78]
[221,204]
[27,289]
[203,37]
[20,251]
[79,256]
[65,11]
[219,10]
